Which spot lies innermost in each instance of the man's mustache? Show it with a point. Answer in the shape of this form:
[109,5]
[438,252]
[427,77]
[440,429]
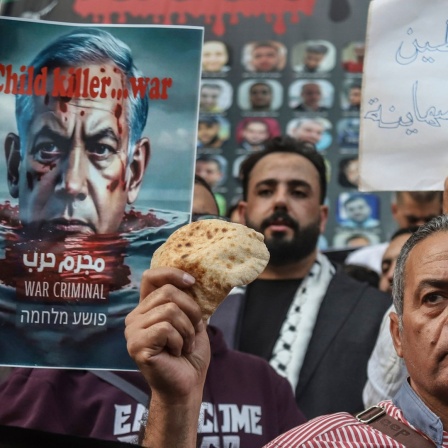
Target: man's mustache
[278,217]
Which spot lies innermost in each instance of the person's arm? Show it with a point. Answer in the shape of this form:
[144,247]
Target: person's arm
[167,339]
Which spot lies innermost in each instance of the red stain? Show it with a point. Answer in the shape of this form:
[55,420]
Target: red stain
[117,113]
[123,176]
[212,11]
[62,105]
[113,186]
[82,113]
[112,248]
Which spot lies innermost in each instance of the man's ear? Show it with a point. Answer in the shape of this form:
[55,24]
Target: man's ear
[394,209]
[12,154]
[242,206]
[396,333]
[323,218]
[137,166]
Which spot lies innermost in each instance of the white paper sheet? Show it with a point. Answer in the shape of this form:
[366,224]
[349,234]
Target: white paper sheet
[404,113]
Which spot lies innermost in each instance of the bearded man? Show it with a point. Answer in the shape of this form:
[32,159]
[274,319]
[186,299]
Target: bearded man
[314,324]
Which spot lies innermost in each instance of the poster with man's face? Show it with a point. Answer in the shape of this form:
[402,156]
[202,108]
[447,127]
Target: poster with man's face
[98,134]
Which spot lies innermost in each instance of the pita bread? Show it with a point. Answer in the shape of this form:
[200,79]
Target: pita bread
[218,254]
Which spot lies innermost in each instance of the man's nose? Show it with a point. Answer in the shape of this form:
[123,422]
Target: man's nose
[280,198]
[75,173]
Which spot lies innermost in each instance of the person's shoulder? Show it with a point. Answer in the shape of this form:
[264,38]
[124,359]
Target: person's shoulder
[380,300]
[373,250]
[315,428]
[369,256]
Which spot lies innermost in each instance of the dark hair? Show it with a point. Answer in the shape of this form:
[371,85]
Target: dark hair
[354,197]
[286,144]
[317,48]
[265,43]
[362,274]
[260,83]
[209,158]
[342,175]
[198,180]
[354,85]
[211,85]
[403,231]
[421,197]
[208,119]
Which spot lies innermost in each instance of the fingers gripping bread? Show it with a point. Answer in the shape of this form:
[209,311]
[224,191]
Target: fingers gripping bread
[218,254]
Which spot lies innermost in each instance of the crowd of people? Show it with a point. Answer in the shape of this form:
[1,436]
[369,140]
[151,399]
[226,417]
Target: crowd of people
[293,359]
[366,370]
[294,356]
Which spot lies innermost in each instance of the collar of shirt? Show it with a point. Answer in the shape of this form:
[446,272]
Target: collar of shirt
[418,414]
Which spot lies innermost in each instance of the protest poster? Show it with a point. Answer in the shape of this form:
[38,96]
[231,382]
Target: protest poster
[320,41]
[98,125]
[404,110]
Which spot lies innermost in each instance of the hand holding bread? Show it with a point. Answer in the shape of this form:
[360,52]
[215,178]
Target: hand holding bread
[218,254]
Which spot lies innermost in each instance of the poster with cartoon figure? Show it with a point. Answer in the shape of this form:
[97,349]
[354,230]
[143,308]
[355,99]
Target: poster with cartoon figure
[98,126]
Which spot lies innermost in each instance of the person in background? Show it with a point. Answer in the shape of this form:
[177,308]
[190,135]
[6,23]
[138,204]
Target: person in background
[355,64]
[358,213]
[302,313]
[208,132]
[409,208]
[260,96]
[312,58]
[215,56]
[255,132]
[386,370]
[266,56]
[210,168]
[308,130]
[362,274]
[349,172]
[354,97]
[209,97]
[419,410]
[245,402]
[311,97]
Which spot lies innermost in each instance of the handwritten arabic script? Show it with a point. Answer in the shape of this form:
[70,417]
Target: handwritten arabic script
[431,116]
[407,56]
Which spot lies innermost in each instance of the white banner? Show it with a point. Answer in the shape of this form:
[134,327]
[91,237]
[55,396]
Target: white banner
[404,113]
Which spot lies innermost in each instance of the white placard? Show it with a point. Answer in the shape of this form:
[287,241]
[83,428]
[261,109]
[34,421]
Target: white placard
[404,113]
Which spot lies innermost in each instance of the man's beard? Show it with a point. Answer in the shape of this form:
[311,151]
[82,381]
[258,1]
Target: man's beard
[284,251]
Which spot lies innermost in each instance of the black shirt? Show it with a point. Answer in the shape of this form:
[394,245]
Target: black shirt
[267,303]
